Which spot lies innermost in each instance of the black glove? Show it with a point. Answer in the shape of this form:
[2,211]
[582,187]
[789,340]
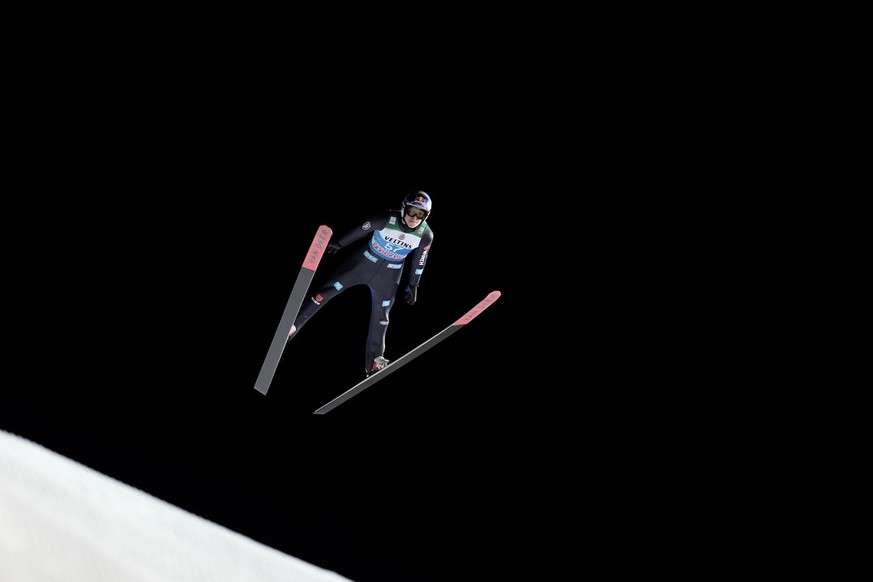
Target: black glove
[333,247]
[411,294]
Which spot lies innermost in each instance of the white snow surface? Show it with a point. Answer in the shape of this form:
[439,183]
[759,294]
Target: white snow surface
[62,521]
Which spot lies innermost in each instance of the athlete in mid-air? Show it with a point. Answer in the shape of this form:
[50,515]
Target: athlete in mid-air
[393,238]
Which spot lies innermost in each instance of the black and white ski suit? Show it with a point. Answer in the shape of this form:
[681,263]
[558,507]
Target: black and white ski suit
[378,264]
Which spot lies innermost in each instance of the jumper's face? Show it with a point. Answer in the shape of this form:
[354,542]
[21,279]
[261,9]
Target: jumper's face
[413,216]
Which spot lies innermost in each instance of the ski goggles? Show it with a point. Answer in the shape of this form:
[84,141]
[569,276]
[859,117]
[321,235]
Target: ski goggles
[416,212]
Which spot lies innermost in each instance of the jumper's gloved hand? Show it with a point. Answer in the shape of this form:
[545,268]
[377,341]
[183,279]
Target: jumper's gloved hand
[411,294]
[333,247]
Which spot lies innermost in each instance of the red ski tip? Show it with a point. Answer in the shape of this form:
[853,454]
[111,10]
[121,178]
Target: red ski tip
[317,248]
[480,307]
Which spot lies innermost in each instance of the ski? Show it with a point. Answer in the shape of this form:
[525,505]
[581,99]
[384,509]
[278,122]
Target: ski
[292,308]
[409,356]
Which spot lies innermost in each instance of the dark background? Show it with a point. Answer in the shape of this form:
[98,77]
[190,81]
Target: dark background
[618,412]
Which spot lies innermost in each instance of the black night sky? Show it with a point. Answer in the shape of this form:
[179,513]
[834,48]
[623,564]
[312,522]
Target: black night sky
[613,416]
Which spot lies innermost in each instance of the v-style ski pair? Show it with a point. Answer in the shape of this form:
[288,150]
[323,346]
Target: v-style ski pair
[292,308]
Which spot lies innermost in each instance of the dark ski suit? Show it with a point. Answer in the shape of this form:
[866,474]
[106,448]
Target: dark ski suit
[378,264]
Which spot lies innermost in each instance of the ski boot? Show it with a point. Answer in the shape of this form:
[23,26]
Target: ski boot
[378,364]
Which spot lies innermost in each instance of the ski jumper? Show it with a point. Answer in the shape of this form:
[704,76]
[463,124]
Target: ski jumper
[378,264]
